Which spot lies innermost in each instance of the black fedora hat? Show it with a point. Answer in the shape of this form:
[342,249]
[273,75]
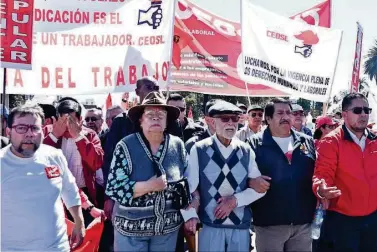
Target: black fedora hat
[153,99]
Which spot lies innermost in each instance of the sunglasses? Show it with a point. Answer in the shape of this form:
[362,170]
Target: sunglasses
[181,109]
[296,113]
[93,119]
[226,119]
[359,110]
[256,114]
[23,128]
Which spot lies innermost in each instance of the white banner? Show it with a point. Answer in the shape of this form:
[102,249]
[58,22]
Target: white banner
[291,56]
[94,47]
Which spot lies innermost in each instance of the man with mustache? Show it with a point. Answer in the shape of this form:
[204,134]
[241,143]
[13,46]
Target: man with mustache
[34,181]
[298,115]
[208,131]
[254,125]
[286,158]
[223,164]
[346,177]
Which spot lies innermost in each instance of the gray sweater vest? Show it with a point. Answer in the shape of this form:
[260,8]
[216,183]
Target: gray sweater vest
[151,214]
[222,177]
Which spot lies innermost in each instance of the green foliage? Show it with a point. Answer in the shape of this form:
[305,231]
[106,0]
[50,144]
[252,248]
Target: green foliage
[370,65]
[16,100]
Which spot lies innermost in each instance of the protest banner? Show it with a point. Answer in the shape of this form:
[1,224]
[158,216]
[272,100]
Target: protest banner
[287,55]
[207,51]
[16,23]
[94,47]
[357,61]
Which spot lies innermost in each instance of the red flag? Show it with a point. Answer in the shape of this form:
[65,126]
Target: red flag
[189,115]
[92,237]
[357,62]
[213,51]
[109,102]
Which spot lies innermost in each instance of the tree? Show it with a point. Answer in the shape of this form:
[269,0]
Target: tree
[370,65]
[363,85]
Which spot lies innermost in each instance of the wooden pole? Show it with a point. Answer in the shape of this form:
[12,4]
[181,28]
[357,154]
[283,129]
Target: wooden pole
[4,95]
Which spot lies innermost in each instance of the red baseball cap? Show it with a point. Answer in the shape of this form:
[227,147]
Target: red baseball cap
[324,120]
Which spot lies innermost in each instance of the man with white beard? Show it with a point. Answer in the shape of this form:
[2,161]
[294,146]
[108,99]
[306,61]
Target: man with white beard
[223,164]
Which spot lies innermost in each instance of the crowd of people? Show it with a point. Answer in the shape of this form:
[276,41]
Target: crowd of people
[161,182]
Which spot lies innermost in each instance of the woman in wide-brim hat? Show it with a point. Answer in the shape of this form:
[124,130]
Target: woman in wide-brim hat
[143,163]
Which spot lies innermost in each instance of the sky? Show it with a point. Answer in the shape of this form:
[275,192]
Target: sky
[345,14]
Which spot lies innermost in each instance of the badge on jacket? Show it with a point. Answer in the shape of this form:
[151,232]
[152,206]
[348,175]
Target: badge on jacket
[304,149]
[52,172]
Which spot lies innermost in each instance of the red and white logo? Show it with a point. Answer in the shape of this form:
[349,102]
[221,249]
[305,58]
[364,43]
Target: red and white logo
[52,172]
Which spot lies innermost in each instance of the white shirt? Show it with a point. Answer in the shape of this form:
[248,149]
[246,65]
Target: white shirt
[192,172]
[286,145]
[244,133]
[73,156]
[32,213]
[361,142]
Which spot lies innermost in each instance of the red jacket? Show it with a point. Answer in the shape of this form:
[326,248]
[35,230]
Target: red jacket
[342,163]
[91,154]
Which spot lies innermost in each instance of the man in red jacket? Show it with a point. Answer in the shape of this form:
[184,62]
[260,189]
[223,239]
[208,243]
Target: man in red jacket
[346,178]
[81,147]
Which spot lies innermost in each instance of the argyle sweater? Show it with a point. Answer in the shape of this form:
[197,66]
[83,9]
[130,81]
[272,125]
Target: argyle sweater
[222,177]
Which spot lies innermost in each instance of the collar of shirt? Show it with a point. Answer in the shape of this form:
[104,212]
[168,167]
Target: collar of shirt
[250,131]
[209,132]
[298,130]
[360,142]
[225,150]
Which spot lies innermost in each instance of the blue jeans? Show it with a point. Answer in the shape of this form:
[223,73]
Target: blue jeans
[158,243]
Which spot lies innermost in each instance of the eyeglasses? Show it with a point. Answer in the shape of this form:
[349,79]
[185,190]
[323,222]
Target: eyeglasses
[296,113]
[181,109]
[256,114]
[359,110]
[160,115]
[226,119]
[93,119]
[23,128]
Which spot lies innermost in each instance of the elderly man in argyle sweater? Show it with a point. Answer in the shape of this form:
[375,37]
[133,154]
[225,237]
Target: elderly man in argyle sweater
[223,164]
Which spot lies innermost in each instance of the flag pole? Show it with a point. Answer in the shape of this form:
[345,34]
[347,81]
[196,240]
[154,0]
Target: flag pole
[171,51]
[326,104]
[4,97]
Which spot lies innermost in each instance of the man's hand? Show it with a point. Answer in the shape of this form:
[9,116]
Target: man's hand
[328,192]
[77,236]
[190,226]
[158,184]
[96,212]
[259,184]
[74,127]
[225,206]
[59,126]
[108,208]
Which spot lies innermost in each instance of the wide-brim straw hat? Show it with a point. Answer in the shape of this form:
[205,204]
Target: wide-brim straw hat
[153,99]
